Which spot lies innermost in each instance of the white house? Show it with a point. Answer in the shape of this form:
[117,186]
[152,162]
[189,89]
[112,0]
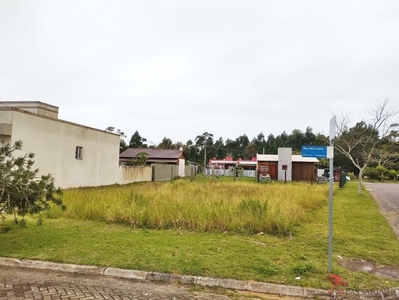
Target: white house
[75,155]
[285,166]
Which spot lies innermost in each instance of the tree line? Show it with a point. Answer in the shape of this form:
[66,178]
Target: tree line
[207,146]
[360,148]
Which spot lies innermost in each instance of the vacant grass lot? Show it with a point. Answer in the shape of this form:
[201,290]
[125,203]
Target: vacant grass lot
[211,229]
[204,206]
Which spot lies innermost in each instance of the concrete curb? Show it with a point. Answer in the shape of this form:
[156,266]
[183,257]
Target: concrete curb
[249,286]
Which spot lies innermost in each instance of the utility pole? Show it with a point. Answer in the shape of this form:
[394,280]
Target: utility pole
[204,159]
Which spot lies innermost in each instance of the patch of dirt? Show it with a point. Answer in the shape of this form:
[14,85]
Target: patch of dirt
[357,264]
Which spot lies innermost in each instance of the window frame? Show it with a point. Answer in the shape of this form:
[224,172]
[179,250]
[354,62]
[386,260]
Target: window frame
[79,152]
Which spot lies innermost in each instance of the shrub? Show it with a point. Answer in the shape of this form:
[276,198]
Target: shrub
[21,191]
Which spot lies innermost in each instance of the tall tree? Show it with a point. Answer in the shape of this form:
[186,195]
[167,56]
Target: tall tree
[204,142]
[166,143]
[321,140]
[360,142]
[296,140]
[191,151]
[242,142]
[260,143]
[219,148]
[387,154]
[250,151]
[310,137]
[231,147]
[136,141]
[271,146]
[280,141]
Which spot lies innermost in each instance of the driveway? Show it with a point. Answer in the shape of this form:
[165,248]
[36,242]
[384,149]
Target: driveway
[387,198]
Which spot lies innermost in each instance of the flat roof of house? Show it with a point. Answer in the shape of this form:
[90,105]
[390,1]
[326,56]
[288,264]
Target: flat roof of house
[300,158]
[224,162]
[295,158]
[247,163]
[267,157]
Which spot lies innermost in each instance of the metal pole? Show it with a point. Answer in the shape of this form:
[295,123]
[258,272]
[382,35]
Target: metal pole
[205,160]
[330,200]
[330,216]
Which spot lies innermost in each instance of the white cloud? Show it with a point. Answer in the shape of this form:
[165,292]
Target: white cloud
[178,68]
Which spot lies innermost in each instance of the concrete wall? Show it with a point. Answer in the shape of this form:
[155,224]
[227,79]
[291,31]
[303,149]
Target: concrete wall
[164,172]
[54,144]
[134,174]
[155,172]
[189,171]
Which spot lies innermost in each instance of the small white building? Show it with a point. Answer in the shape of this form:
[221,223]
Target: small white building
[285,166]
[75,155]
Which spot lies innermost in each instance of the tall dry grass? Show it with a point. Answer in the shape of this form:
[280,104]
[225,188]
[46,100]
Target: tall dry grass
[245,207]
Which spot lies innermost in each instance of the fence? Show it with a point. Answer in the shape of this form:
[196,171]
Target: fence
[229,172]
[155,172]
[134,174]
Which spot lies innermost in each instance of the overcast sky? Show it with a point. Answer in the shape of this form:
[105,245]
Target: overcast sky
[178,69]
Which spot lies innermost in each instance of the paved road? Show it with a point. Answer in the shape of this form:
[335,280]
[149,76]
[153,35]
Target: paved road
[21,283]
[387,197]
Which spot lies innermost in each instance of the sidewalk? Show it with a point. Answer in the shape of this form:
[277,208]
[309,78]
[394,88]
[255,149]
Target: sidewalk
[263,290]
[248,286]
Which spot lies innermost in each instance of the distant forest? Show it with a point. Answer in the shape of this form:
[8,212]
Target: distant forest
[205,146]
[369,149]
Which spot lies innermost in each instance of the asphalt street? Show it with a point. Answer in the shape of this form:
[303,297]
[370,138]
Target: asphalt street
[387,198]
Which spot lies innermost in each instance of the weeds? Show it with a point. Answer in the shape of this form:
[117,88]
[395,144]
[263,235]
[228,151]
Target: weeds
[244,207]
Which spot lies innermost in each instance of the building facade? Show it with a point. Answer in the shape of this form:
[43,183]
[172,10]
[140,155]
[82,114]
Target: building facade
[224,167]
[285,166]
[75,155]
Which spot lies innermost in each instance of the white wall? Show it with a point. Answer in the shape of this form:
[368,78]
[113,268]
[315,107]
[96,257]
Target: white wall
[54,143]
[182,167]
[132,174]
[284,159]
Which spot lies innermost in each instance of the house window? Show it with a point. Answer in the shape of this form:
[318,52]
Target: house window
[79,152]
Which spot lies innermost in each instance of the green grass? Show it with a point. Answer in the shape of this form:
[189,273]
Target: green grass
[359,232]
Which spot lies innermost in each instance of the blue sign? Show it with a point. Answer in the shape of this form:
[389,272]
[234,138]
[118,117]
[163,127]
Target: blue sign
[314,151]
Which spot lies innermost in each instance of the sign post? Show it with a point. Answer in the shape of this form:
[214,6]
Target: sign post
[326,152]
[314,151]
[330,198]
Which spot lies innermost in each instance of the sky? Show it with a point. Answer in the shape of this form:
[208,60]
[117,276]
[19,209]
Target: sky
[177,69]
